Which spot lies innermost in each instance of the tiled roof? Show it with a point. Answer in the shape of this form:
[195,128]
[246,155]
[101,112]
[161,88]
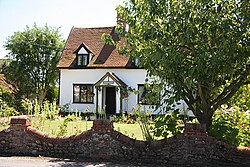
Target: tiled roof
[104,55]
[5,85]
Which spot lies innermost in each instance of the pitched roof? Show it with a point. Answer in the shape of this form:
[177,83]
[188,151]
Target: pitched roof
[104,55]
[5,85]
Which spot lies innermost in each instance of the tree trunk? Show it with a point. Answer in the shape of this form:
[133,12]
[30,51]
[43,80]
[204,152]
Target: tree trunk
[41,96]
[206,117]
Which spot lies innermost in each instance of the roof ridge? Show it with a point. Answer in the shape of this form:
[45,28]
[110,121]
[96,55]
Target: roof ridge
[93,27]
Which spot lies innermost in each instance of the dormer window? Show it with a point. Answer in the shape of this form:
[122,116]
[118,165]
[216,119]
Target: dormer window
[83,55]
[82,59]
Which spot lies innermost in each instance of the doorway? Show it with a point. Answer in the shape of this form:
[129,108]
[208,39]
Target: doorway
[110,100]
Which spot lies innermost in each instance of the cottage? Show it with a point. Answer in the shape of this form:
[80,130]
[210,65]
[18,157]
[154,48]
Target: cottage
[94,76]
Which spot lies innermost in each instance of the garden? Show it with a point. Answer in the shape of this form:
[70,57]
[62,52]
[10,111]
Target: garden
[230,122]
[230,125]
[55,121]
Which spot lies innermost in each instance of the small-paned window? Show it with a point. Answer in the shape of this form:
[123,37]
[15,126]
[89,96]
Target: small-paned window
[82,59]
[146,96]
[83,93]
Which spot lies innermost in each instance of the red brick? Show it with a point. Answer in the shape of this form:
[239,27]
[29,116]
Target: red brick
[20,121]
[124,139]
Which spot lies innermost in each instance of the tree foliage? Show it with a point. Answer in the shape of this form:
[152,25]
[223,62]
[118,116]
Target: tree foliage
[35,52]
[200,48]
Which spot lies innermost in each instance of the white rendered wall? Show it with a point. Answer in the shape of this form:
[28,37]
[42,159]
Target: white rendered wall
[132,77]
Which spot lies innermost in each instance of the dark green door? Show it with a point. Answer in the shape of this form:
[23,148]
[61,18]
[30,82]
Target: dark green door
[110,100]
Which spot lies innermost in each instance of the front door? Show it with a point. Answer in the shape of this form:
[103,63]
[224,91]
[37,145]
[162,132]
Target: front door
[110,100]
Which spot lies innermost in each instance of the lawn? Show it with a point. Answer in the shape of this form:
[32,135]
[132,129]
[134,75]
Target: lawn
[131,130]
[52,127]
[4,123]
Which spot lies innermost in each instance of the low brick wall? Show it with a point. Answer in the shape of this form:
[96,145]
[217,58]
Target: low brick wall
[192,148]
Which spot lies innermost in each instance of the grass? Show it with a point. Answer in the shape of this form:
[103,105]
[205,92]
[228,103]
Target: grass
[2,127]
[131,130]
[4,123]
[52,127]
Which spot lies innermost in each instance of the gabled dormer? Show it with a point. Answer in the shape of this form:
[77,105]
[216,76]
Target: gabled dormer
[83,55]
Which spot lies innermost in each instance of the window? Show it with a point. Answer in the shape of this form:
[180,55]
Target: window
[147,96]
[83,93]
[83,55]
[82,59]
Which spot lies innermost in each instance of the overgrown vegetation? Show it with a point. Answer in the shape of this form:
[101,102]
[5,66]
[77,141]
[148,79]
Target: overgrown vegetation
[231,123]
[231,126]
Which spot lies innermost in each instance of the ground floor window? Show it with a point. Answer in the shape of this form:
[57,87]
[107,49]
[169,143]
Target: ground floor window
[83,93]
[147,96]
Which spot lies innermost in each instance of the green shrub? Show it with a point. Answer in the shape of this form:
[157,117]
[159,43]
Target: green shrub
[5,110]
[231,126]
[167,125]
[241,98]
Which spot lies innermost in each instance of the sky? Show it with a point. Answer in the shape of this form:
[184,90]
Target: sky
[15,15]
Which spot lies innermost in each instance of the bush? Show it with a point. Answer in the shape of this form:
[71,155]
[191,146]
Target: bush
[6,109]
[168,125]
[241,98]
[231,126]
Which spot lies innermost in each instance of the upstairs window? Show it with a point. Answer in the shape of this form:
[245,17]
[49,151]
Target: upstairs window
[83,55]
[82,60]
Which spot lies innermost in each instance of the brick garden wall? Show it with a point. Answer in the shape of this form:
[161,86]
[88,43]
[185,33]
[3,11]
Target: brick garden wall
[193,148]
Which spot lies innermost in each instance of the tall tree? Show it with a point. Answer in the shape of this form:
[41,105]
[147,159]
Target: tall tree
[35,52]
[200,48]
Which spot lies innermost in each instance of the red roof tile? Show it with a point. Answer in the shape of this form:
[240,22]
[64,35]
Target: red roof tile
[104,55]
